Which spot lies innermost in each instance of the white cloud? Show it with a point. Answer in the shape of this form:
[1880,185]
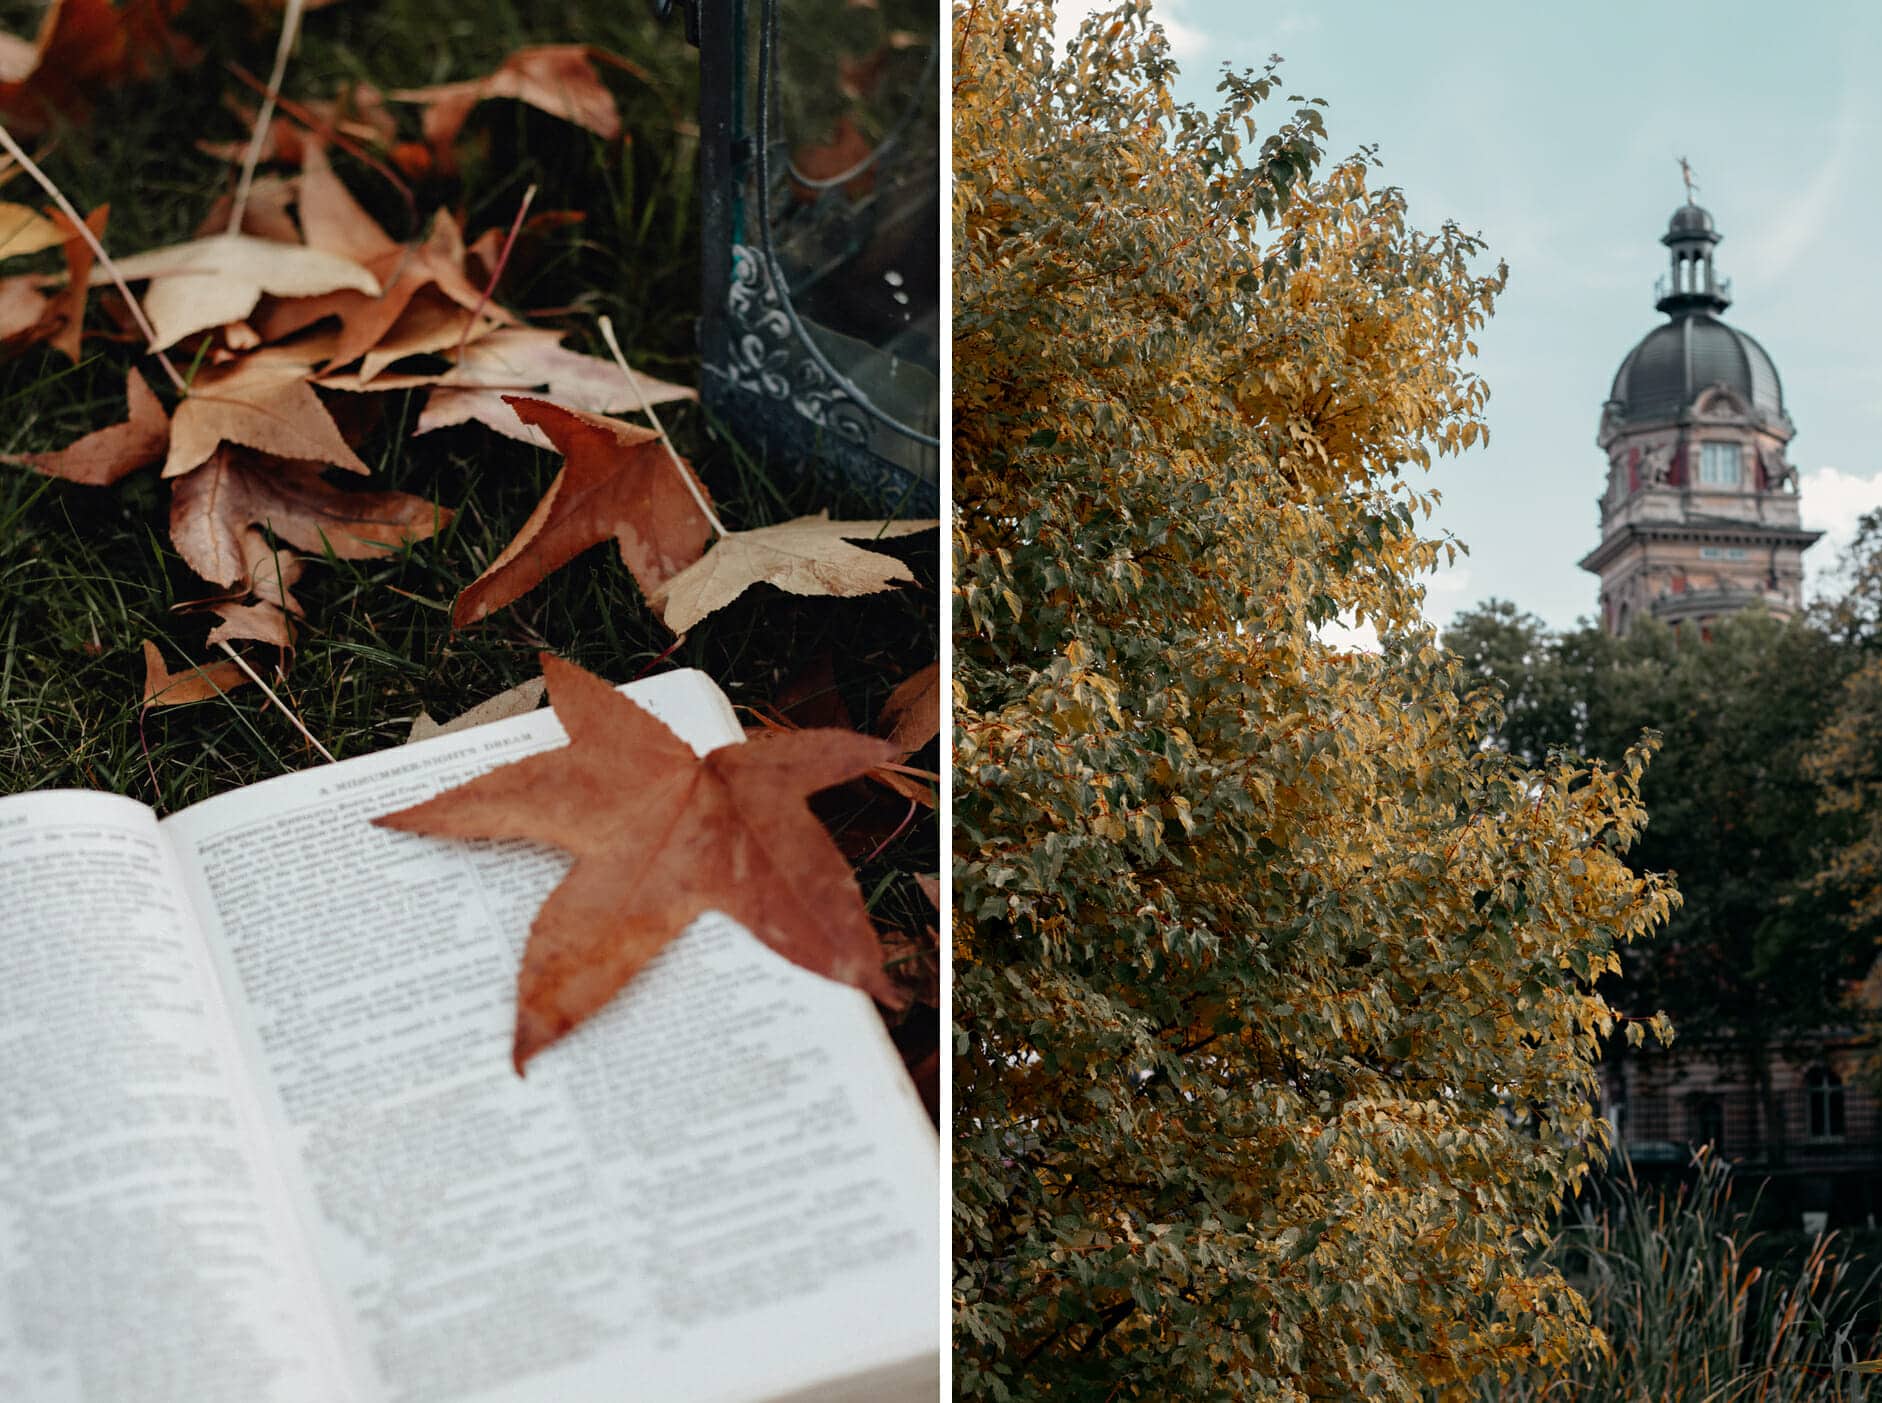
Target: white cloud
[1186,41]
[1831,501]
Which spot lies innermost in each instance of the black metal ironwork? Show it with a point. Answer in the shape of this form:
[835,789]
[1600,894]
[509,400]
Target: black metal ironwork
[788,363]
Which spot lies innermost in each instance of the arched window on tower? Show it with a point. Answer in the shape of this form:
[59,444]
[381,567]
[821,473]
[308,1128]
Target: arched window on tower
[1823,1090]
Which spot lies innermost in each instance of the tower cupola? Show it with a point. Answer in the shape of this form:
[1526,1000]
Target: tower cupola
[1692,284]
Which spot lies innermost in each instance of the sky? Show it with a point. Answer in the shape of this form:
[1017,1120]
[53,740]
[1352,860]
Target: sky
[1554,132]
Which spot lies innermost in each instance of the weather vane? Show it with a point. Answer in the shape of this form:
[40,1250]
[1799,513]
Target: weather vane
[1685,174]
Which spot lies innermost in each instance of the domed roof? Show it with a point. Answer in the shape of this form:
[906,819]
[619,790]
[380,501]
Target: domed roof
[1674,363]
[1687,220]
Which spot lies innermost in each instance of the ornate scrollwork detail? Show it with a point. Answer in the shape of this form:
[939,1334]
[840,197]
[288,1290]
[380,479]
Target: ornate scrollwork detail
[768,360]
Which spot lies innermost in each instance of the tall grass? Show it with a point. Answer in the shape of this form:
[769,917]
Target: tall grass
[1688,1320]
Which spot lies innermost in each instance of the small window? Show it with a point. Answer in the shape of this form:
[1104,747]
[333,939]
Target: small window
[1824,1091]
[1718,464]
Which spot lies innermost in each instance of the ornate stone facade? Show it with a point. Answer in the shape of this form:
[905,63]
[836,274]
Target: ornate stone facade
[1700,516]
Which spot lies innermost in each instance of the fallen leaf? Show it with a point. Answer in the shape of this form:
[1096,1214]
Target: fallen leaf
[514,701]
[617,481]
[913,711]
[66,311]
[102,457]
[25,230]
[266,216]
[481,253]
[23,312]
[520,358]
[270,573]
[809,555]
[661,835]
[83,46]
[212,509]
[263,622]
[358,115]
[557,78]
[336,223]
[207,283]
[164,688]
[429,325]
[261,401]
[930,888]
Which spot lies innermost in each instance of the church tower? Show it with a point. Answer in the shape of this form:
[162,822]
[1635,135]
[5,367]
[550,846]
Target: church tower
[1700,514]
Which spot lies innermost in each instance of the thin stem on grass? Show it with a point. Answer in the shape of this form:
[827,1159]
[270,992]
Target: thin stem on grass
[496,273]
[268,692]
[614,347]
[290,28]
[98,251]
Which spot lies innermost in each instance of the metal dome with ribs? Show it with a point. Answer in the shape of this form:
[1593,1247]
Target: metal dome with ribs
[1674,363]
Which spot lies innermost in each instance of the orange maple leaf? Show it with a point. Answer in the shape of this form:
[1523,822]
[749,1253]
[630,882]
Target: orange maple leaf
[661,835]
[617,481]
[103,456]
[83,46]
[556,78]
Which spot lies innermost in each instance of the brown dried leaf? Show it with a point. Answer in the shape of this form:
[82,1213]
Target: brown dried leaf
[809,555]
[23,312]
[213,508]
[430,324]
[557,78]
[514,701]
[207,283]
[913,711]
[261,401]
[335,223]
[65,313]
[661,835]
[264,622]
[516,359]
[270,573]
[617,481]
[164,688]
[266,216]
[357,115]
[25,230]
[83,46]
[105,455]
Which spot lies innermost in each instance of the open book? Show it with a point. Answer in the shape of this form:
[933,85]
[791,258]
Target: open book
[260,1139]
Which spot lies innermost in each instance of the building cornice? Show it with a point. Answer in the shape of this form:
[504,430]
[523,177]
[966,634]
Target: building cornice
[1697,530]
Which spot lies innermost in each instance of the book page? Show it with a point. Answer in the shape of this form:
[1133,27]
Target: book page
[721,1188]
[146,1251]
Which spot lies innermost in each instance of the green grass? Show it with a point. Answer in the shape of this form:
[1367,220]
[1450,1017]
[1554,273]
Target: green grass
[1669,1279]
[87,574]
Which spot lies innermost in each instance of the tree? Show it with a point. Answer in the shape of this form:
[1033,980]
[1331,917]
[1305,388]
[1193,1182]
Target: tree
[1846,763]
[1762,952]
[1274,1022]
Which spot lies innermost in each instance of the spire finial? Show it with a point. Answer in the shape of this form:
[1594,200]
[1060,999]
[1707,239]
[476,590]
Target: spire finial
[1685,174]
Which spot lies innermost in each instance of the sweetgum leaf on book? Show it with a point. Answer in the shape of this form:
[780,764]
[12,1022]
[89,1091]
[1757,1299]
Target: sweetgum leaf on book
[661,835]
